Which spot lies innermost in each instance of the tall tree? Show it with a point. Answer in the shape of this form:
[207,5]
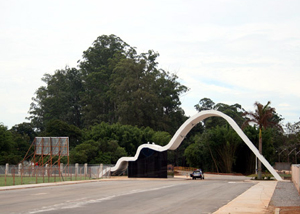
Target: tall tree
[59,99]
[264,116]
[26,130]
[146,96]
[205,104]
[225,142]
[113,84]
[234,111]
[62,129]
[97,65]
[215,149]
[9,147]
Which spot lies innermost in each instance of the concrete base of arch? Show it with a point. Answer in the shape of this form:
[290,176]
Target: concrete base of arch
[185,129]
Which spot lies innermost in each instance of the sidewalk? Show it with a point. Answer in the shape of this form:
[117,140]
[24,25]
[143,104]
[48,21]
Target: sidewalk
[254,200]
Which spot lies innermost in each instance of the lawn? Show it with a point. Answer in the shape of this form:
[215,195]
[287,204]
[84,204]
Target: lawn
[269,176]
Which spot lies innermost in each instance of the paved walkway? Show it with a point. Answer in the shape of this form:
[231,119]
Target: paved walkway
[285,195]
[285,200]
[254,200]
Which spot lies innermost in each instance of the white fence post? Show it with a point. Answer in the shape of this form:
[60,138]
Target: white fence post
[46,170]
[101,171]
[61,168]
[76,169]
[6,168]
[19,169]
[85,169]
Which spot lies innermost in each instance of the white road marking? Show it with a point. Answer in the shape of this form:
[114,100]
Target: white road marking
[42,193]
[84,201]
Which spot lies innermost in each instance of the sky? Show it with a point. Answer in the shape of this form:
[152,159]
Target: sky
[231,51]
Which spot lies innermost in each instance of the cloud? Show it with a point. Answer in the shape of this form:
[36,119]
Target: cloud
[229,51]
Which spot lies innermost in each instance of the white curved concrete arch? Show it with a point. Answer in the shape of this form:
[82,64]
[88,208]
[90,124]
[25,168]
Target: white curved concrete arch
[184,130]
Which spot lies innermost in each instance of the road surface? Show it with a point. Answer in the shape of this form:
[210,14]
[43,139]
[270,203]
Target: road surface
[125,196]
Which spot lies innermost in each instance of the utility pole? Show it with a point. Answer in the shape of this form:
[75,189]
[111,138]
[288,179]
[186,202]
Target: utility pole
[279,155]
[289,154]
[296,153]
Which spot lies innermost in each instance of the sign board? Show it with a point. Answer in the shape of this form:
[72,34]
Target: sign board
[52,146]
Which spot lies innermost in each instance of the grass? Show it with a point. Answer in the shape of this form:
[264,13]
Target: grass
[9,180]
[269,176]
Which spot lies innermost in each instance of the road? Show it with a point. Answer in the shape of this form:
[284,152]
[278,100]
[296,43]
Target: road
[125,196]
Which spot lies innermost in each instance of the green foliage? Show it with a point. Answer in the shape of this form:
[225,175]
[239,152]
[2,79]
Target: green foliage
[245,158]
[85,152]
[264,117]
[161,138]
[117,99]
[113,84]
[234,111]
[26,130]
[225,154]
[5,139]
[104,143]
[62,129]
[97,152]
[205,104]
[195,154]
[114,91]
[223,142]
[12,146]
[60,99]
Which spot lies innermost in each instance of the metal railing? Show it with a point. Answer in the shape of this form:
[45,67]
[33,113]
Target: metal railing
[19,174]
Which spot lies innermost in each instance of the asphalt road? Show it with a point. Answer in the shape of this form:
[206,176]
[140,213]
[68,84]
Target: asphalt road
[125,196]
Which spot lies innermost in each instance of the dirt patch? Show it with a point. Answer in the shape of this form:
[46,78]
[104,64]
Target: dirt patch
[284,210]
[215,173]
[289,210]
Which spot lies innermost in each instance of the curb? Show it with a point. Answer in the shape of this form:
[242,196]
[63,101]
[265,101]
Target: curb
[26,186]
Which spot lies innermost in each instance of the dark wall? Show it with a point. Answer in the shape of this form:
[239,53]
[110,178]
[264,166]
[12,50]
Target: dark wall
[150,164]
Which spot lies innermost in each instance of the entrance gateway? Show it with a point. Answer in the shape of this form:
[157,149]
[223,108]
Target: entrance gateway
[184,129]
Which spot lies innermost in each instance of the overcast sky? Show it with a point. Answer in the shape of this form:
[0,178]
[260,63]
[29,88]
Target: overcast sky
[231,51]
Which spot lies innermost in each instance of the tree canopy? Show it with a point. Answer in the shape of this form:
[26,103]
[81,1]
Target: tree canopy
[264,117]
[117,99]
[234,111]
[112,84]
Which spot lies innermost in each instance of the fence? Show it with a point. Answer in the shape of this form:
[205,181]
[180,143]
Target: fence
[16,175]
[296,176]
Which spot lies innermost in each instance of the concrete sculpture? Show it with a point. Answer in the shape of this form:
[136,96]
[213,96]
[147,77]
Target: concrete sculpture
[176,140]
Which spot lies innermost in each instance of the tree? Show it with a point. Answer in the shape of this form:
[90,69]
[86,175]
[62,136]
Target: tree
[59,128]
[264,116]
[85,152]
[23,135]
[97,66]
[146,96]
[26,130]
[205,104]
[287,142]
[197,154]
[113,84]
[8,147]
[234,111]
[59,99]
[215,149]
[223,143]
